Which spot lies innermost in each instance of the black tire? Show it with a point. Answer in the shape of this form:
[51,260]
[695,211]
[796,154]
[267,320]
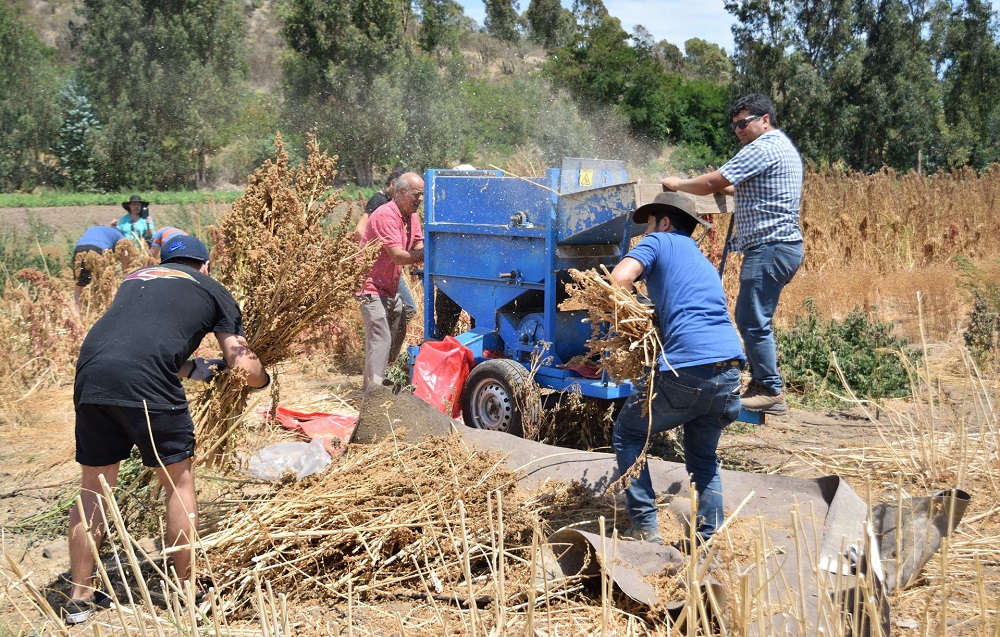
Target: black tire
[491,396]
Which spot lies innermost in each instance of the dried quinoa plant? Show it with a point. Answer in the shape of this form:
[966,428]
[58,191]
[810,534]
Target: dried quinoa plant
[43,333]
[625,336]
[287,274]
[384,518]
[107,270]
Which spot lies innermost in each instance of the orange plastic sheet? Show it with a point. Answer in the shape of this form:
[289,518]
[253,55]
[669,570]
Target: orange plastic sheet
[334,430]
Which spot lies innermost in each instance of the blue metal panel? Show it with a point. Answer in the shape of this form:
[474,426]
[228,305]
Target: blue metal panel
[596,216]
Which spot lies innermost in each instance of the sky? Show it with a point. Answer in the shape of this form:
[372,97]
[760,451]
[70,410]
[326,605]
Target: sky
[672,20]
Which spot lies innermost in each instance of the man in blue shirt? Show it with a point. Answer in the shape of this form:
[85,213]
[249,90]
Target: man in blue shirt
[765,178]
[696,382]
[93,239]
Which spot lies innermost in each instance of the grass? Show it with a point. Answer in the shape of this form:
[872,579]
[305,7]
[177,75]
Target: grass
[51,199]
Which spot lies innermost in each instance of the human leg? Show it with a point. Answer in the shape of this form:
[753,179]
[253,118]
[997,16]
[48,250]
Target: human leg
[395,314]
[701,442]
[673,403]
[765,272]
[90,523]
[409,307]
[182,512]
[378,340]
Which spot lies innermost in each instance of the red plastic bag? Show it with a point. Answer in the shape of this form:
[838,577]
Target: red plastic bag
[334,430]
[440,372]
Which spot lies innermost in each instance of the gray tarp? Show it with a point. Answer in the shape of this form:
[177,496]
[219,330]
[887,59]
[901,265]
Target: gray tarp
[827,516]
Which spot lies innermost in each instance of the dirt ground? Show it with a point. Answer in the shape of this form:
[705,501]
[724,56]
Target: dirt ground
[38,477]
[38,473]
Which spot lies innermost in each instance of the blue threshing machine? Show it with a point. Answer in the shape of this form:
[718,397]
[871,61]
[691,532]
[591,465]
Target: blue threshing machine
[500,247]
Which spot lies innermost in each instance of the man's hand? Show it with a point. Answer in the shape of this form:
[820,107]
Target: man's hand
[670,183]
[206,368]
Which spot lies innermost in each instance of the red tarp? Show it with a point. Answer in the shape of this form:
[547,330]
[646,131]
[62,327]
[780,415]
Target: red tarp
[334,430]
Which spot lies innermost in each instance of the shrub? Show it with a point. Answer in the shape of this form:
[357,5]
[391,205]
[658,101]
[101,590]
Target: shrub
[871,358]
[982,335]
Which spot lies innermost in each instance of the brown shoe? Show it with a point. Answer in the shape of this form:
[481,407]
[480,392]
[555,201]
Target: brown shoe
[760,399]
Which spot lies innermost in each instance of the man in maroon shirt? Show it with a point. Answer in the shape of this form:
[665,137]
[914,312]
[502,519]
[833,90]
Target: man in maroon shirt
[397,227]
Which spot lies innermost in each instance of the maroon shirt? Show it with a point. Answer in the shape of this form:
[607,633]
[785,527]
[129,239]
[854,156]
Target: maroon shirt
[393,229]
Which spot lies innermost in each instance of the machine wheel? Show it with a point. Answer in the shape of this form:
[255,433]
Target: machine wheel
[491,394]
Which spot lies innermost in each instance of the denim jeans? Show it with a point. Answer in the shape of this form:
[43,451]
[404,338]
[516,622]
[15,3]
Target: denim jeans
[704,399]
[766,270]
[403,292]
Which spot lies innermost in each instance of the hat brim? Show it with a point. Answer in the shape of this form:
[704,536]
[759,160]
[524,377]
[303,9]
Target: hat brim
[642,213]
[126,203]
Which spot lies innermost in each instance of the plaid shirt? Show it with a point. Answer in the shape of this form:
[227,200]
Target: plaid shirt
[767,174]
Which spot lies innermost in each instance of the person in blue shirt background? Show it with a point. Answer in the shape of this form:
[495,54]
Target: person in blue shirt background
[136,225]
[696,383]
[93,239]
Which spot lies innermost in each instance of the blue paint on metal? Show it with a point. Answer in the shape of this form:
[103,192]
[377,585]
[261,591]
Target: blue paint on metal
[500,247]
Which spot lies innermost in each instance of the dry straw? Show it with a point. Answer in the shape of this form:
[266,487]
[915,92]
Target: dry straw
[286,271]
[625,336]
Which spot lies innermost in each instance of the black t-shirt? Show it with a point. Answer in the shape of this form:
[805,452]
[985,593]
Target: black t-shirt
[158,318]
[378,199]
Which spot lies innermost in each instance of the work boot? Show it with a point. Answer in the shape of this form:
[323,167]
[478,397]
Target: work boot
[758,398]
[645,535]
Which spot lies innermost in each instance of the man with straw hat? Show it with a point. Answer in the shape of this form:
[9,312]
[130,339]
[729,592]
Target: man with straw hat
[128,393]
[696,381]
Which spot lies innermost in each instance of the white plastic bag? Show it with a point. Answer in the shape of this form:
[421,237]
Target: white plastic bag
[301,458]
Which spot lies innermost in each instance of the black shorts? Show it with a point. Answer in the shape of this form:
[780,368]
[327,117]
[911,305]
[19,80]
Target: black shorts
[105,434]
[83,277]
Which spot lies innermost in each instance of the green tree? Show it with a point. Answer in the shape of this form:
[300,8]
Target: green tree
[707,61]
[898,99]
[440,24]
[501,20]
[363,36]
[76,138]
[29,112]
[337,78]
[972,83]
[549,24]
[161,75]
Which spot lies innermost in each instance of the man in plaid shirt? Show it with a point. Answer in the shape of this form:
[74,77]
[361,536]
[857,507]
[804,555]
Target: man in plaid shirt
[765,178]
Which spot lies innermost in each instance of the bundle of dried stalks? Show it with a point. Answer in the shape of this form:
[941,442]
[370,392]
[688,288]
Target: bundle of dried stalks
[107,270]
[42,332]
[624,330]
[389,518]
[286,272]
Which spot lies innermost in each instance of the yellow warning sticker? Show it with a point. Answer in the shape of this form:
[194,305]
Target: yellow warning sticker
[586,177]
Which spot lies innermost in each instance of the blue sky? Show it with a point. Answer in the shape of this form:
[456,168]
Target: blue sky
[671,20]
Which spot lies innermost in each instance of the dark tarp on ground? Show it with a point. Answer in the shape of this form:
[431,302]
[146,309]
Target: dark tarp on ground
[827,516]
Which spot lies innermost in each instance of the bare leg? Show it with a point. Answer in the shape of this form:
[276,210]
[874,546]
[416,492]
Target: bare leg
[182,511]
[80,558]
[76,297]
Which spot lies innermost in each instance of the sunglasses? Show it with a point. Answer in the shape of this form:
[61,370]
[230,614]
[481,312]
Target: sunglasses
[743,123]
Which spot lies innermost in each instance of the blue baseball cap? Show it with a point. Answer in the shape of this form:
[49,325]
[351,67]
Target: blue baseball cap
[183,246]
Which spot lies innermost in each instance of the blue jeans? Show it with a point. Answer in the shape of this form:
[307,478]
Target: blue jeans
[705,399]
[766,270]
[403,292]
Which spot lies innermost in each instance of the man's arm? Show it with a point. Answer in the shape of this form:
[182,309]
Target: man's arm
[359,229]
[627,272]
[701,185]
[237,353]
[399,256]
